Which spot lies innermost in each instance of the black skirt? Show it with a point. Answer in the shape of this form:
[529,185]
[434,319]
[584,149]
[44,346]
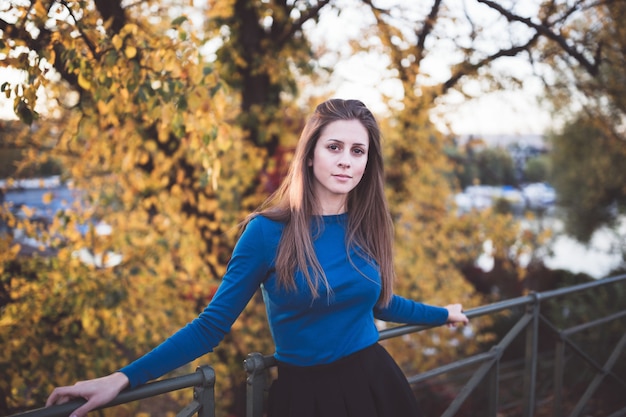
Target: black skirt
[367,383]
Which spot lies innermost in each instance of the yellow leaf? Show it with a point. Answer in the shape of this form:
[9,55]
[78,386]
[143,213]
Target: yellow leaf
[84,83]
[130,28]
[28,212]
[40,10]
[52,56]
[15,249]
[143,158]
[89,322]
[130,52]
[117,42]
[47,198]
[102,107]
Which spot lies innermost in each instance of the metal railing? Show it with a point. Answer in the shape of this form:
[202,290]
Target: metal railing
[202,381]
[257,365]
[486,366]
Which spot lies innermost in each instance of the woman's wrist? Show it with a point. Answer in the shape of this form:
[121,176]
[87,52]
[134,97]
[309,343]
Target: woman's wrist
[120,380]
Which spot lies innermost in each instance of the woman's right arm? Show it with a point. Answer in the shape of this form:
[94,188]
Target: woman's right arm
[97,392]
[245,272]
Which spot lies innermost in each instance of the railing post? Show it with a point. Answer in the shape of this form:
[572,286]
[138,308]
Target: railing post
[559,370]
[205,393]
[493,388]
[530,361]
[255,384]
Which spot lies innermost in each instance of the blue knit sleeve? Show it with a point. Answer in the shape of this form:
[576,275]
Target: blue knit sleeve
[402,310]
[245,272]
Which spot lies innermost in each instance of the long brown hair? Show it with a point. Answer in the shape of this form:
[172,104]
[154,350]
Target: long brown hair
[369,223]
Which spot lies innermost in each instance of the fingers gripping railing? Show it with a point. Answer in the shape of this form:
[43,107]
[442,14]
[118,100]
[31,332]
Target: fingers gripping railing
[202,381]
[489,363]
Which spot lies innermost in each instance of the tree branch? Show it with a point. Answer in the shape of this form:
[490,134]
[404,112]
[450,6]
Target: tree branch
[395,55]
[589,66]
[310,13]
[92,48]
[111,10]
[470,69]
[429,24]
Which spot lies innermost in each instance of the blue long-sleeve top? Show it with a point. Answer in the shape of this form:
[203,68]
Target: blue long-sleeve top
[306,331]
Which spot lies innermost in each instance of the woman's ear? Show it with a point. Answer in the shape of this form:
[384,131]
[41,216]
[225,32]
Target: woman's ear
[309,162]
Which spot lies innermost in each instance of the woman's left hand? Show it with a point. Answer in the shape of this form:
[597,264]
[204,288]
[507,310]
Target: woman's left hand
[456,315]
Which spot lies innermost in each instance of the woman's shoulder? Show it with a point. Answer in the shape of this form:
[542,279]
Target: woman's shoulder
[261,223]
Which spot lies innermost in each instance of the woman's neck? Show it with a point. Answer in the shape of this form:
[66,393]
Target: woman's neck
[332,204]
[331,210]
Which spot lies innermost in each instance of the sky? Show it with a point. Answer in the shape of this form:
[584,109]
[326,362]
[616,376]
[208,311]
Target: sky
[364,76]
[498,113]
[6,105]
[502,112]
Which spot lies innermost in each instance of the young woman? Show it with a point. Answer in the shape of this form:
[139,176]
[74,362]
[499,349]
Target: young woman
[320,249]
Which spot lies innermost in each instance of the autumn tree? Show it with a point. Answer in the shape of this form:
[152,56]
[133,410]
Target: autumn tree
[171,147]
[434,244]
[589,177]
[144,128]
[263,55]
[488,166]
[257,41]
[589,148]
[485,34]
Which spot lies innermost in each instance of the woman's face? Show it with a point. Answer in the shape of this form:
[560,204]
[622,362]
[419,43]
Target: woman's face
[338,163]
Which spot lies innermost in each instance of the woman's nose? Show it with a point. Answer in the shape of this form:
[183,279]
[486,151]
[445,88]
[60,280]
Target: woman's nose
[344,160]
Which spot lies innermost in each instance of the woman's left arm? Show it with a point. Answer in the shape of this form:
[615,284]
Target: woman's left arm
[456,315]
[403,310]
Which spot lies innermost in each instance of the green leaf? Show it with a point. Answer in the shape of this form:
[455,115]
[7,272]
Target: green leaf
[24,112]
[179,21]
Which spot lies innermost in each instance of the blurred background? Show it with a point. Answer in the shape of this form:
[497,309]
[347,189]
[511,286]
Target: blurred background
[136,135]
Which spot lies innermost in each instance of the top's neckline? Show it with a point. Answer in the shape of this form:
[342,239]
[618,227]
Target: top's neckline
[329,218]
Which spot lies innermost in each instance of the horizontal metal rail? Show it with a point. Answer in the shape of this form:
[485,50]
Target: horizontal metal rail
[203,382]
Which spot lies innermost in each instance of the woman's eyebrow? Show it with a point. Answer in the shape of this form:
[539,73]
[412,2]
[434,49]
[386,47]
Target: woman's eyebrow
[343,142]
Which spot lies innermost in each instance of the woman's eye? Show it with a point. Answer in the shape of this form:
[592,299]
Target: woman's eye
[359,151]
[333,147]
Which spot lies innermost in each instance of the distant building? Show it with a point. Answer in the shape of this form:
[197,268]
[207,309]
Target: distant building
[531,141]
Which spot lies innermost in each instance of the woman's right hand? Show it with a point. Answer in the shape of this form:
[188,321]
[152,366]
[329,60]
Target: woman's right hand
[97,392]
